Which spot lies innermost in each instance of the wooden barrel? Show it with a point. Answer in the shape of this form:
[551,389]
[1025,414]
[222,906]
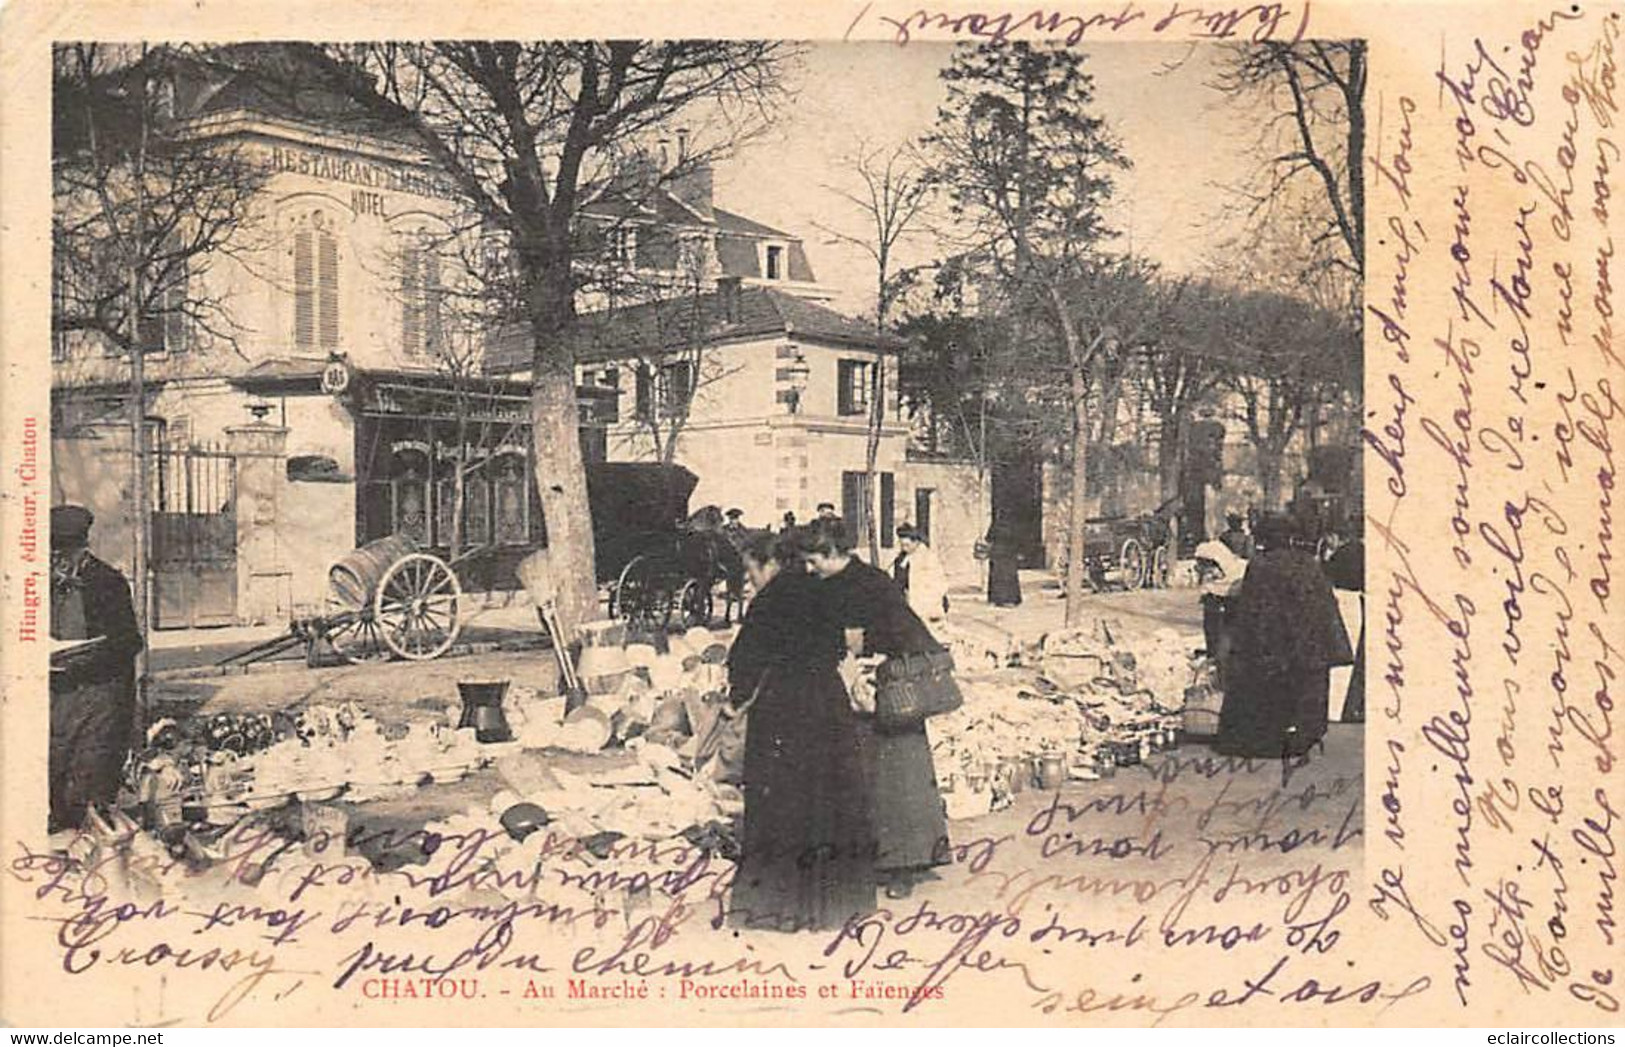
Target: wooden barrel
[355,578]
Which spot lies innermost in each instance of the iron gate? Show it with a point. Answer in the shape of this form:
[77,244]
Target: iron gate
[194,538]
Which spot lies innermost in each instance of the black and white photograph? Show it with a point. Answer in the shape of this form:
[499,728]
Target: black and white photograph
[740,531]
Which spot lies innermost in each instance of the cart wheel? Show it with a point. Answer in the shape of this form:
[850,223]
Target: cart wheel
[1131,564]
[417,605]
[1159,568]
[629,599]
[693,604]
[352,628]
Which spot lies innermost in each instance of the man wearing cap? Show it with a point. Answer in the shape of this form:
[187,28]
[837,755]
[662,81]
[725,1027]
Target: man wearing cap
[738,535]
[826,511]
[92,687]
[735,530]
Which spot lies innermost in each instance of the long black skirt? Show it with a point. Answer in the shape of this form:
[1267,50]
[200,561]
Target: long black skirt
[911,825]
[1003,579]
[808,845]
[1272,715]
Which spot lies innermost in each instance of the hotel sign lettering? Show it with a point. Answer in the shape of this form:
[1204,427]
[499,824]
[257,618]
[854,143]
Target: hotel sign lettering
[365,173]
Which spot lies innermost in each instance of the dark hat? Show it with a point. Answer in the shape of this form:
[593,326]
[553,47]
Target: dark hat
[734,514]
[906,530]
[70,526]
[826,505]
[1233,519]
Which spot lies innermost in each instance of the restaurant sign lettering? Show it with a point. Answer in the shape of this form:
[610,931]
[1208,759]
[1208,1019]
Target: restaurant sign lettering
[356,171]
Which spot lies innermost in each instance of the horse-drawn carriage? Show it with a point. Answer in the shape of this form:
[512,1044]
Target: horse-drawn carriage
[659,564]
[393,598]
[1132,552]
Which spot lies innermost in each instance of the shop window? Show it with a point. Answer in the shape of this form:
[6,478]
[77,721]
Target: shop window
[510,489]
[422,294]
[855,378]
[411,495]
[477,510]
[315,284]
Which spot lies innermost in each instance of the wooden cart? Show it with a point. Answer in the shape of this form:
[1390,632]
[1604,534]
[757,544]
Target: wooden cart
[388,599]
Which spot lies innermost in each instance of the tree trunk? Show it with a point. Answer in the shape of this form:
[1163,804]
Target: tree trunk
[1110,395]
[1076,570]
[1269,477]
[1168,457]
[561,476]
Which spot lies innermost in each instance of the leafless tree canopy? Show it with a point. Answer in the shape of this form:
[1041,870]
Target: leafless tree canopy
[1313,136]
[142,205]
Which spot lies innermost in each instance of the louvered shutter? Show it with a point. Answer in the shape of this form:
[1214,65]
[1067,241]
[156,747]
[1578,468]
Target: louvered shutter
[177,330]
[645,393]
[304,290]
[432,332]
[328,285]
[411,302]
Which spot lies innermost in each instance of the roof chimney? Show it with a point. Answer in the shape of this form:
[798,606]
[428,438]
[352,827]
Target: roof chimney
[693,187]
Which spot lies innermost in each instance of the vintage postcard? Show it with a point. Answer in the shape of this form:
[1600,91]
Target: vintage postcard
[864,513]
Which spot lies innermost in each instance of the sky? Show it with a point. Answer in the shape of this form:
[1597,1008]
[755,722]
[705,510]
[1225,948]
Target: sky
[1182,137]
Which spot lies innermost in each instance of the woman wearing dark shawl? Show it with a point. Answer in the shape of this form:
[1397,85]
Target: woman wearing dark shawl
[807,859]
[1003,567]
[1286,635]
[911,827]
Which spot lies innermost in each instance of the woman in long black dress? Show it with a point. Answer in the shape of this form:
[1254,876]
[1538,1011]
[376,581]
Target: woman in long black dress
[911,826]
[1286,635]
[1003,568]
[807,860]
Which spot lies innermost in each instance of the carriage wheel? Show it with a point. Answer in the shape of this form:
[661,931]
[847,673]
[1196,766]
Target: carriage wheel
[1131,564]
[1159,568]
[417,605]
[630,599]
[352,630]
[693,604]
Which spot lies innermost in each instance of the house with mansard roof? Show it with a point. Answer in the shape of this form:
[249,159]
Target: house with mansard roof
[325,410]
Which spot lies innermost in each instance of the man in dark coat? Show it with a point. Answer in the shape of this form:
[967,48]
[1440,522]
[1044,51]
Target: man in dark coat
[92,687]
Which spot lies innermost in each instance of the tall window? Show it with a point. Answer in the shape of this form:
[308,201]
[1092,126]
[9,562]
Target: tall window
[856,377]
[623,246]
[421,294]
[672,388]
[773,265]
[166,328]
[315,284]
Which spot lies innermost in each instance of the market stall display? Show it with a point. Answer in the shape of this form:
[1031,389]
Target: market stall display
[1092,700]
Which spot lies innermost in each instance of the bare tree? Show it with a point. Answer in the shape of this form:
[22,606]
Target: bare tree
[895,190]
[1027,170]
[1176,372]
[1285,358]
[142,205]
[528,132]
[1313,94]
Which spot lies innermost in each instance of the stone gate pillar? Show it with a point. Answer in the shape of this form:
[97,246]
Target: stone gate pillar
[263,580]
